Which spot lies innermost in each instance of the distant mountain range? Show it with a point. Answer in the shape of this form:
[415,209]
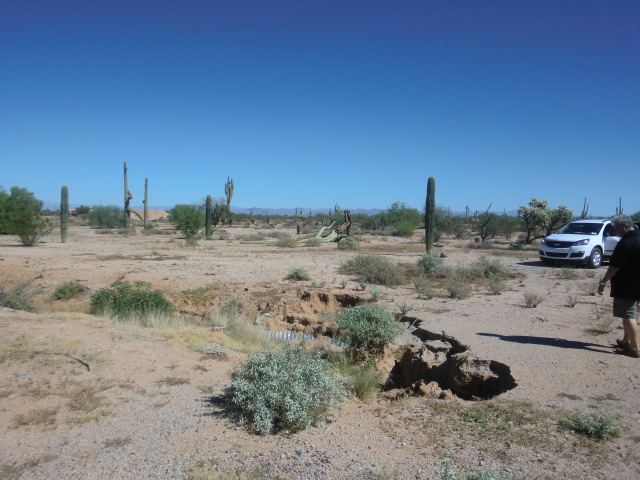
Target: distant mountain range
[271,211]
[255,210]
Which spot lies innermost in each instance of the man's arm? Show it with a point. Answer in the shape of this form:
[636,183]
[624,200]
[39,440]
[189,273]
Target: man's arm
[611,271]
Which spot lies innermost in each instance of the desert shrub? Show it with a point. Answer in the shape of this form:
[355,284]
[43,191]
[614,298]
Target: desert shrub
[432,264]
[423,286]
[532,300]
[497,285]
[286,241]
[374,269]
[15,300]
[188,219]
[30,226]
[241,334]
[457,287]
[106,217]
[600,425]
[447,471]
[282,390]
[297,274]
[348,243]
[403,309]
[82,210]
[68,290]
[404,228]
[567,273]
[21,215]
[361,379]
[125,300]
[367,329]
[572,301]
[486,268]
[191,241]
[313,242]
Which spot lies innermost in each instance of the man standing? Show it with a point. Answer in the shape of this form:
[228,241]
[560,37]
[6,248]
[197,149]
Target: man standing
[624,273]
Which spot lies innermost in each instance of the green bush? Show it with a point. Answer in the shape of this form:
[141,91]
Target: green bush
[348,243]
[367,329]
[600,425]
[457,287]
[15,300]
[68,290]
[106,217]
[125,300]
[282,390]
[188,219]
[21,215]
[81,210]
[404,229]
[432,264]
[297,274]
[286,241]
[374,269]
[486,268]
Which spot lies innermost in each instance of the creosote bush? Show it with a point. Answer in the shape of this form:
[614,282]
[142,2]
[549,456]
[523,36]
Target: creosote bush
[374,269]
[69,290]
[125,300]
[286,390]
[367,329]
[348,243]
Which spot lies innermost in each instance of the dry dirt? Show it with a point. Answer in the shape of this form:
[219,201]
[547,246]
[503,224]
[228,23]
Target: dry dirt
[81,398]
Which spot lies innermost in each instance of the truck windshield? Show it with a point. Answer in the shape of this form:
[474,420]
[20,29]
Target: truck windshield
[583,228]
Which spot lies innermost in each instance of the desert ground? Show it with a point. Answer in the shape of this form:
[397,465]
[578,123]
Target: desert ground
[85,398]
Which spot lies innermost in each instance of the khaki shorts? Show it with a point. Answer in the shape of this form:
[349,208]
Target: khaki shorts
[625,308]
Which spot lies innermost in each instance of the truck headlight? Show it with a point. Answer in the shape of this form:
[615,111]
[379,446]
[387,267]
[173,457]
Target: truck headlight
[581,242]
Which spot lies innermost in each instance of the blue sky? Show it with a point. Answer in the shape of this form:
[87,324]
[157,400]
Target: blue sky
[315,103]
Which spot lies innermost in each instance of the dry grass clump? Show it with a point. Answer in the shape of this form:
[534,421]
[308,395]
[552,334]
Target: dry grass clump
[45,416]
[374,269]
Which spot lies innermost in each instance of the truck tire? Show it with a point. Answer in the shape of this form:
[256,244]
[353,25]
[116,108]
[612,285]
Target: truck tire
[595,259]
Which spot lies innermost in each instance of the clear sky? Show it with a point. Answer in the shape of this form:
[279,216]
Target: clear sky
[315,103]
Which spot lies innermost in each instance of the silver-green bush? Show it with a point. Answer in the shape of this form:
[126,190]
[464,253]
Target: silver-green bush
[282,390]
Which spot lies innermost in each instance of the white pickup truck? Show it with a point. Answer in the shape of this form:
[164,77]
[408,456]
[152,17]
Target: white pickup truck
[583,241]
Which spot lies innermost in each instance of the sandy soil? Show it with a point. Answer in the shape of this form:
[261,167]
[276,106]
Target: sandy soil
[84,398]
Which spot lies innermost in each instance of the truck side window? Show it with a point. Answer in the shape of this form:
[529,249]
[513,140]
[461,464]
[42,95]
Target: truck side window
[608,230]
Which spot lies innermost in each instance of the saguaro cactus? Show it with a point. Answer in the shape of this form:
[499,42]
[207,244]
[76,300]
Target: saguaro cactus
[64,213]
[208,216]
[430,214]
[146,203]
[127,198]
[228,191]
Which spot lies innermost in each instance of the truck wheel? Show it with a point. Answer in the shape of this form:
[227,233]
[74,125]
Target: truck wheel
[595,259]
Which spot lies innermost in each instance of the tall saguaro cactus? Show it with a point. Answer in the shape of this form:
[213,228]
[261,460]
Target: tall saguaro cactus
[228,191]
[146,203]
[127,198]
[430,214]
[208,216]
[64,213]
